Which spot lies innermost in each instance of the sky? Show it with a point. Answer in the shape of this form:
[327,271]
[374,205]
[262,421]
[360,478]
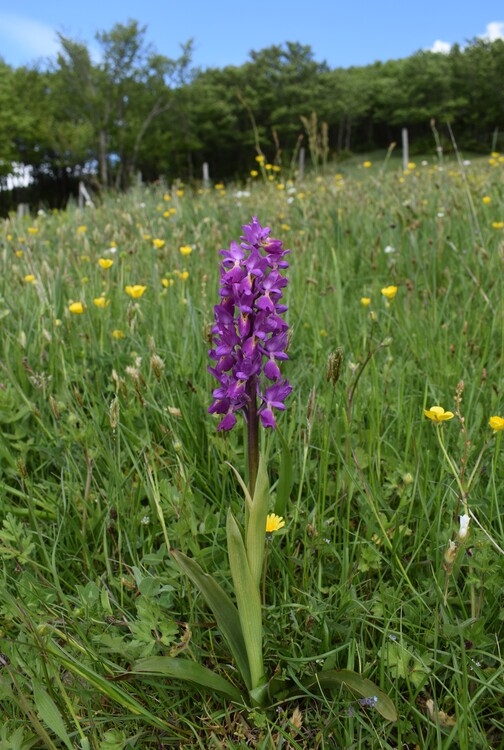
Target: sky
[355,32]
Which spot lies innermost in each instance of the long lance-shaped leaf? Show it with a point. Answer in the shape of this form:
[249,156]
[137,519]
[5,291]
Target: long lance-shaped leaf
[247,599]
[190,671]
[107,688]
[225,612]
[361,685]
[256,524]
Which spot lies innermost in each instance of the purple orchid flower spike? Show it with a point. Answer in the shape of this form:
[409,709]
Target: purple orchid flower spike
[250,335]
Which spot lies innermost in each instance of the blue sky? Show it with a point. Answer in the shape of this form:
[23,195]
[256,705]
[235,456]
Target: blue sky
[355,32]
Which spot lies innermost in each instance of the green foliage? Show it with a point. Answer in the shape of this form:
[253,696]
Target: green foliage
[109,460]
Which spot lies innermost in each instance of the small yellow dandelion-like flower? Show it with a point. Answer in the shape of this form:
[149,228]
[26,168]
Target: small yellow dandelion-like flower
[274,523]
[9,238]
[254,173]
[32,230]
[411,165]
[276,168]
[367,164]
[269,167]
[82,229]
[438,414]
[117,334]
[158,244]
[495,154]
[285,227]
[85,258]
[365,301]
[21,239]
[19,253]
[29,278]
[389,291]
[101,302]
[135,291]
[496,423]
[77,308]
[105,262]
[184,276]
[146,236]
[486,200]
[166,214]
[180,193]
[498,224]
[280,186]
[219,186]
[167,282]
[185,250]
[260,159]
[492,162]
[167,197]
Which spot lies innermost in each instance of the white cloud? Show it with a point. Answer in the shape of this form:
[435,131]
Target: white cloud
[494,30]
[441,47]
[33,38]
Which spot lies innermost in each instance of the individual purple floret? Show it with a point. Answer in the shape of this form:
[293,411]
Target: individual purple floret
[250,335]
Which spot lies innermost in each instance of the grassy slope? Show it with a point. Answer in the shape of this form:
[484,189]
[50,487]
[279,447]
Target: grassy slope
[98,431]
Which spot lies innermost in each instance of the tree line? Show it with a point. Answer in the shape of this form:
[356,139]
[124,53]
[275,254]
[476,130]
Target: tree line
[137,111]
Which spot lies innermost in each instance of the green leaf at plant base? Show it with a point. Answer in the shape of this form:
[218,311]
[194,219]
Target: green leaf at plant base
[191,671]
[248,600]
[332,678]
[226,614]
[256,524]
[49,713]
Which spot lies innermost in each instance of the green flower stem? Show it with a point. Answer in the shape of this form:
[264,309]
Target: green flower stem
[252,436]
[453,468]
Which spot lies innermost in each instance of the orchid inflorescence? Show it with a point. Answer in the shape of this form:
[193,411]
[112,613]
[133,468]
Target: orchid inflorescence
[249,335]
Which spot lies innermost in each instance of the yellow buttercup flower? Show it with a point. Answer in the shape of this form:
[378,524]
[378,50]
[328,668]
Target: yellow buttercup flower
[32,230]
[260,159]
[29,278]
[105,262]
[180,193]
[185,250]
[365,301]
[498,224]
[117,334]
[135,291]
[158,244]
[82,229]
[167,282]
[101,302]
[219,186]
[486,200]
[274,523]
[254,172]
[184,276]
[19,253]
[389,291]
[438,414]
[496,423]
[77,308]
[367,164]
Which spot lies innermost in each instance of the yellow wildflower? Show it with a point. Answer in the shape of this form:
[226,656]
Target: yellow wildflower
[280,186]
[184,276]
[365,301]
[269,167]
[101,302]
[76,307]
[32,230]
[498,224]
[367,164]
[254,172]
[167,282]
[29,278]
[158,244]
[167,197]
[219,186]
[19,253]
[185,250]
[117,334]
[81,229]
[389,291]
[105,262]
[274,523]
[486,200]
[180,193]
[135,291]
[438,414]
[260,159]
[496,423]
[146,236]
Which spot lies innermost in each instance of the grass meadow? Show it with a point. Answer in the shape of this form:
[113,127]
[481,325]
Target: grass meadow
[109,458]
